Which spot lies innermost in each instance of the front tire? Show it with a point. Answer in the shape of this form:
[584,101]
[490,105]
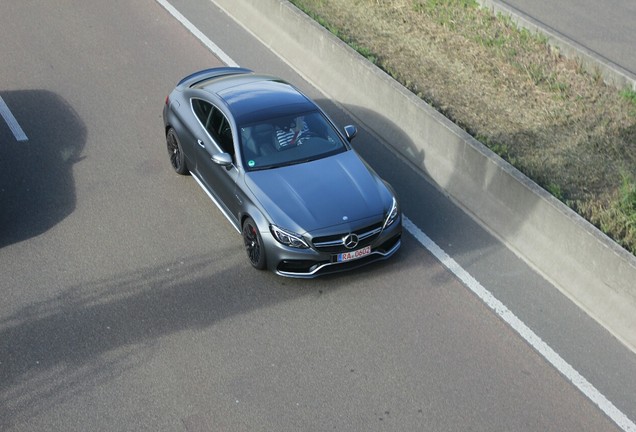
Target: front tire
[253,244]
[175,151]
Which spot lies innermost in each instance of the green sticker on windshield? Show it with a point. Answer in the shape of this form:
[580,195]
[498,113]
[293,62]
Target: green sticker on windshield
[251,163]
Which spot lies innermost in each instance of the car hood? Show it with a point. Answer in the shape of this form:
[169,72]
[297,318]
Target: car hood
[319,194]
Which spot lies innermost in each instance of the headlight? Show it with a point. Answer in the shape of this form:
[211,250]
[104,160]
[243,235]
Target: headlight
[392,215]
[288,238]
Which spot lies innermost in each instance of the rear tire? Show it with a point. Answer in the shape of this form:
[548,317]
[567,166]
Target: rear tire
[253,244]
[175,151]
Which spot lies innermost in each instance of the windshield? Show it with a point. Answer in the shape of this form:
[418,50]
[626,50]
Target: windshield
[289,140]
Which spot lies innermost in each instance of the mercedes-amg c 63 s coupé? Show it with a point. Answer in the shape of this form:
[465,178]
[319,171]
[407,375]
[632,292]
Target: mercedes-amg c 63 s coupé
[281,172]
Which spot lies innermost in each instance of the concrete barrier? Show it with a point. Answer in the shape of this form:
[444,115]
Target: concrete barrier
[587,266]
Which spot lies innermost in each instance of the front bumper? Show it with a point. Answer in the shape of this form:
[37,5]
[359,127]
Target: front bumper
[310,263]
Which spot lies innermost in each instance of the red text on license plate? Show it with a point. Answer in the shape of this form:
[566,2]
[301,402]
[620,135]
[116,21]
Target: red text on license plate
[348,256]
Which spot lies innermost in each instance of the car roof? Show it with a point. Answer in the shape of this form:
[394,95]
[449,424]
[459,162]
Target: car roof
[254,97]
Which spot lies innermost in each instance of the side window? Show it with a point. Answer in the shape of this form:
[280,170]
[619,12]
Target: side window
[202,110]
[221,131]
[215,123]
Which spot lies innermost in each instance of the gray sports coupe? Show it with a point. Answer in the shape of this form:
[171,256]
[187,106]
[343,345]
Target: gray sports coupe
[280,171]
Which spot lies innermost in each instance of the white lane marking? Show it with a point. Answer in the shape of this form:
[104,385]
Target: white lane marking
[499,308]
[523,330]
[6,113]
[197,33]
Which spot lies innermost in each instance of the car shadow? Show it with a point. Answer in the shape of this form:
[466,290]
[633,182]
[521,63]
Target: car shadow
[37,189]
[365,120]
[398,160]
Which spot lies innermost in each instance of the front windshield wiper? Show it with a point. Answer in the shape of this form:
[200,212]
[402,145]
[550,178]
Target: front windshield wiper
[301,161]
[263,168]
[284,164]
[289,163]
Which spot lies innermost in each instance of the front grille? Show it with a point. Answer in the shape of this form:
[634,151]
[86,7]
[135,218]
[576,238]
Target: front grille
[335,243]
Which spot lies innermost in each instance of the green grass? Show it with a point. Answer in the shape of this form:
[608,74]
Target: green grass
[629,95]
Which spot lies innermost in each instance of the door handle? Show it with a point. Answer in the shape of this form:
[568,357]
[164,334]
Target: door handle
[200,143]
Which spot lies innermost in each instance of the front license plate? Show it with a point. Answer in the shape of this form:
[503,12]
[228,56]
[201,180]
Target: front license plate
[348,256]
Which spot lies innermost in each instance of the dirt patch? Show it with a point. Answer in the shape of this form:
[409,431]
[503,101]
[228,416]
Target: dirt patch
[562,127]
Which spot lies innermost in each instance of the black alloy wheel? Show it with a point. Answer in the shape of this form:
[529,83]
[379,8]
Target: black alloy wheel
[253,244]
[175,151]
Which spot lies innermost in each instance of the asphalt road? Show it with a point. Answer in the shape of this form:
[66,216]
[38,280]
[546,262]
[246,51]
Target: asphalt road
[128,303]
[606,27]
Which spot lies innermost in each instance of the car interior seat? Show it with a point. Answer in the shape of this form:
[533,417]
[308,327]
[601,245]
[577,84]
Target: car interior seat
[257,140]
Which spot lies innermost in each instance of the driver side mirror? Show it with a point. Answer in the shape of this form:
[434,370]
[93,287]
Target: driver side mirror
[350,132]
[223,159]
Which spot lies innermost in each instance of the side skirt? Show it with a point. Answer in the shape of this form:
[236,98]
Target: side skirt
[221,207]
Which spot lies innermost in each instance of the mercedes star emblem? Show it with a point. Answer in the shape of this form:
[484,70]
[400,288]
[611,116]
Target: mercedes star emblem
[350,241]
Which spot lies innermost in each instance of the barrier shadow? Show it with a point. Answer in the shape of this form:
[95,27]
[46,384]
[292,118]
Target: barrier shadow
[37,189]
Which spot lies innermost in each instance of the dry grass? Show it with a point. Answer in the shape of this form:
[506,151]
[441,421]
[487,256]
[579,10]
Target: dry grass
[559,125]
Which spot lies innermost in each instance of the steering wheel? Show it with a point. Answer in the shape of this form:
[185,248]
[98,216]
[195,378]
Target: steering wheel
[305,135]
